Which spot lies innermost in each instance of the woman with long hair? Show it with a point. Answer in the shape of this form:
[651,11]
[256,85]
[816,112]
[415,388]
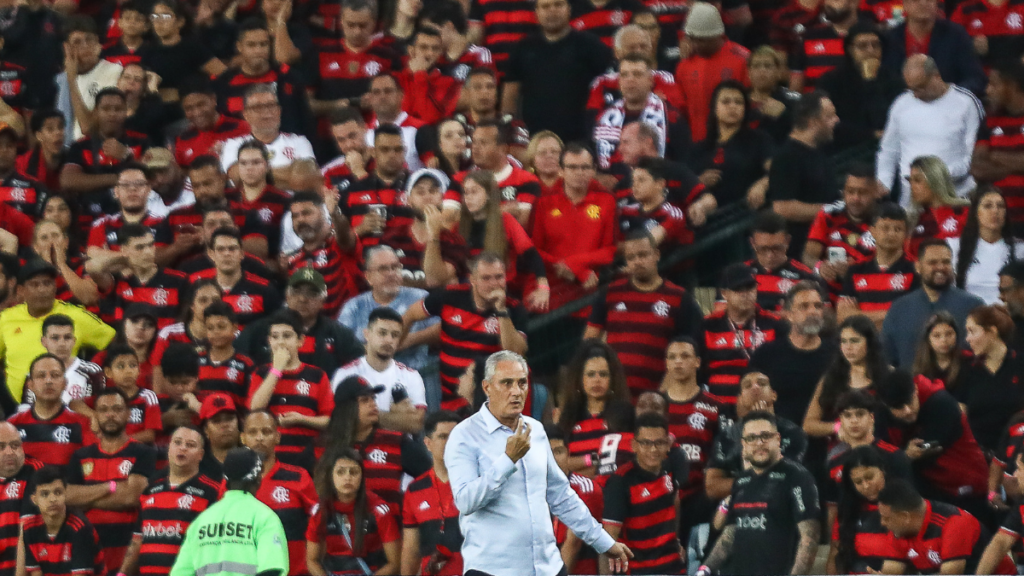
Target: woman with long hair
[192,327]
[451,149]
[985,245]
[542,158]
[58,209]
[936,211]
[858,536]
[256,190]
[487,228]
[145,110]
[353,530]
[860,365]
[138,332]
[939,355]
[769,97]
[991,392]
[176,54]
[594,402]
[732,162]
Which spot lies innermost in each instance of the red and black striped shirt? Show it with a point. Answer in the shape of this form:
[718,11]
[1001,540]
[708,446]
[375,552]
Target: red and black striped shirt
[874,288]
[14,504]
[821,50]
[1005,133]
[605,21]
[340,270]
[13,86]
[193,143]
[164,516]
[289,492]
[363,195]
[727,349]
[505,23]
[104,231]
[410,252]
[230,377]
[1002,26]
[304,390]
[943,222]
[115,51]
[342,73]
[24,194]
[593,496]
[163,292]
[87,153]
[789,24]
[670,217]
[381,528]
[947,534]
[252,298]
[644,504]
[232,85]
[74,551]
[33,164]
[270,206]
[54,440]
[383,465]
[640,324]
[774,285]
[833,227]
[91,465]
[520,186]
[694,424]
[429,508]
[247,222]
[872,545]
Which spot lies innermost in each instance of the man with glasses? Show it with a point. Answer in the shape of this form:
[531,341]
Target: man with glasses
[130,191]
[385,99]
[776,274]
[773,512]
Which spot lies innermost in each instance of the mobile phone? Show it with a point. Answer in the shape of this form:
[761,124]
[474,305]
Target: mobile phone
[926,446]
[836,255]
[187,229]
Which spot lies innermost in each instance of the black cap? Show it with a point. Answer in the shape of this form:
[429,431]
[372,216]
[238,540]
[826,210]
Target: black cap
[35,267]
[137,309]
[353,387]
[737,276]
[242,465]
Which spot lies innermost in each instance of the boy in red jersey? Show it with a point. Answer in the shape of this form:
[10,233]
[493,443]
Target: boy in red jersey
[74,546]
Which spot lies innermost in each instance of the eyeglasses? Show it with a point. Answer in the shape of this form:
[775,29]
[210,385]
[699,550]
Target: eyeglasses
[759,438]
[648,444]
[392,268]
[159,17]
[134,185]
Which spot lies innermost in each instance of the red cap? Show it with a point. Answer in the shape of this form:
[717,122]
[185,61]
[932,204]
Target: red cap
[215,404]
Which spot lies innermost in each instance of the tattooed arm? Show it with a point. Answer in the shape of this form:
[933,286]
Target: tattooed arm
[722,549]
[807,550]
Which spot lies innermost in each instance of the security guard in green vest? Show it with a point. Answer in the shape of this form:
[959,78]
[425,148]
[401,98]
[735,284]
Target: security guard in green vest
[239,535]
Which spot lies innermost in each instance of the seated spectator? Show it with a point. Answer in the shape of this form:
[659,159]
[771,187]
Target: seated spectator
[121,367]
[43,161]
[251,297]
[870,287]
[297,393]
[997,151]
[935,209]
[51,244]
[908,315]
[430,94]
[632,39]
[173,55]
[50,431]
[82,379]
[221,367]
[376,202]
[939,353]
[986,245]
[542,157]
[170,185]
[178,403]
[650,211]
[844,224]
[348,131]
[639,140]
[192,327]
[17,470]
[57,526]
[776,274]
[64,213]
[84,77]
[480,94]
[450,151]
[997,551]
[821,44]
[385,97]
[255,191]
[329,345]
[8,281]
[1011,278]
[860,365]
[519,188]
[130,191]
[133,23]
[771,100]
[138,331]
[374,541]
[207,129]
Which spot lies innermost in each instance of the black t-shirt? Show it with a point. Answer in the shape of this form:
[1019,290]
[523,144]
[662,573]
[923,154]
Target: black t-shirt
[991,399]
[766,509]
[175,63]
[148,118]
[802,173]
[741,160]
[794,373]
[727,453]
[554,80]
[220,37]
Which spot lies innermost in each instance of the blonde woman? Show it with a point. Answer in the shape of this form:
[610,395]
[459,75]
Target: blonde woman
[936,211]
[542,158]
[768,95]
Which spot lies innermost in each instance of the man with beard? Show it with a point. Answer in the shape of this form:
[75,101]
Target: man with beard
[15,472]
[908,314]
[776,273]
[169,505]
[1011,292]
[348,130]
[107,479]
[639,315]
[845,225]
[131,191]
[377,201]
[168,182]
[385,98]
[772,525]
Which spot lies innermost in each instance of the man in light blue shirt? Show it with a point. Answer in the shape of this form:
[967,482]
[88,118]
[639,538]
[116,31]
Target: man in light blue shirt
[506,492]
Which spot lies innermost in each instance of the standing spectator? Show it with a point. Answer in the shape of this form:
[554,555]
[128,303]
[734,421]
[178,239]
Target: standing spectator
[49,430]
[476,320]
[909,313]
[870,287]
[935,209]
[85,75]
[910,134]
[796,363]
[992,28]
[549,73]
[605,17]
[480,93]
[801,180]
[82,378]
[221,367]
[844,224]
[250,296]
[788,23]
[997,150]
[174,55]
[402,402]
[712,59]
[55,527]
[985,245]
[431,538]
[255,191]
[578,558]
[459,55]
[17,471]
[924,33]
[385,97]
[207,128]
[131,191]
[770,96]
[640,314]
[733,334]
[499,26]
[519,189]
[101,484]
[632,39]
[821,47]
[776,274]
[44,160]
[287,490]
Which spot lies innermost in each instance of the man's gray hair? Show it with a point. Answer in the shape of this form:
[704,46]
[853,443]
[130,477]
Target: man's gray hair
[502,356]
[621,34]
[378,249]
[259,89]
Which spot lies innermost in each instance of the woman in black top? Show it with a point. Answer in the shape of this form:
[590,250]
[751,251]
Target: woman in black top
[991,390]
[450,147]
[145,110]
[732,162]
[939,356]
[859,541]
[771,101]
[175,56]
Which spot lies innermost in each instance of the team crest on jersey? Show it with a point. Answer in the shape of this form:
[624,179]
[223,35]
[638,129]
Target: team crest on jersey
[232,374]
[934,558]
[594,212]
[185,502]
[377,456]
[302,387]
[321,259]
[785,284]
[13,491]
[62,434]
[508,193]
[266,214]
[135,416]
[160,297]
[244,303]
[697,421]
[660,308]
[620,307]
[896,282]
[1013,20]
[87,468]
[460,72]
[280,495]
[491,325]
[125,468]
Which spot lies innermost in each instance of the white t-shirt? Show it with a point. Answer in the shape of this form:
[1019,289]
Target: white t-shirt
[284,150]
[412,155]
[82,379]
[989,258]
[103,75]
[396,376]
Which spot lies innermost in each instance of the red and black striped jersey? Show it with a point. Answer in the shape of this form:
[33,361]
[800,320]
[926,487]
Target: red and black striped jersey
[304,390]
[193,143]
[232,85]
[340,270]
[1004,132]
[942,222]
[947,533]
[410,252]
[289,492]
[834,227]
[773,285]
[14,505]
[644,504]
[175,333]
[201,266]
[74,551]
[252,298]
[616,451]
[87,153]
[727,349]
[587,435]
[1002,26]
[605,21]
[381,528]
[386,455]
[694,424]
[248,223]
[820,50]
[91,465]
[593,496]
[33,164]
[270,206]
[429,508]
[115,51]
[23,193]
[670,217]
[143,412]
[13,87]
[337,174]
[104,231]
[467,335]
[505,23]
[671,14]
[874,288]
[372,192]
[640,324]
[472,57]
[54,440]
[165,513]
[789,25]
[872,545]
[342,73]
[604,90]
[230,377]
[163,292]
[517,185]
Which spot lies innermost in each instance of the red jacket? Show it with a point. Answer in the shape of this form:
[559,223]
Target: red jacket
[698,76]
[429,96]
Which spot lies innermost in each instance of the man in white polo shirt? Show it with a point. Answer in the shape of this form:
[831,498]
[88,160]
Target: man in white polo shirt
[403,400]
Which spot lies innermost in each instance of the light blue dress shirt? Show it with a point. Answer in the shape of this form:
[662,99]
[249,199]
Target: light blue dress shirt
[505,508]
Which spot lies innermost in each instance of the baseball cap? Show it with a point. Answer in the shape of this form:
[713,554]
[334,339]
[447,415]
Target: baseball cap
[137,309]
[35,267]
[242,465]
[158,158]
[737,276]
[215,404]
[353,387]
[307,275]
